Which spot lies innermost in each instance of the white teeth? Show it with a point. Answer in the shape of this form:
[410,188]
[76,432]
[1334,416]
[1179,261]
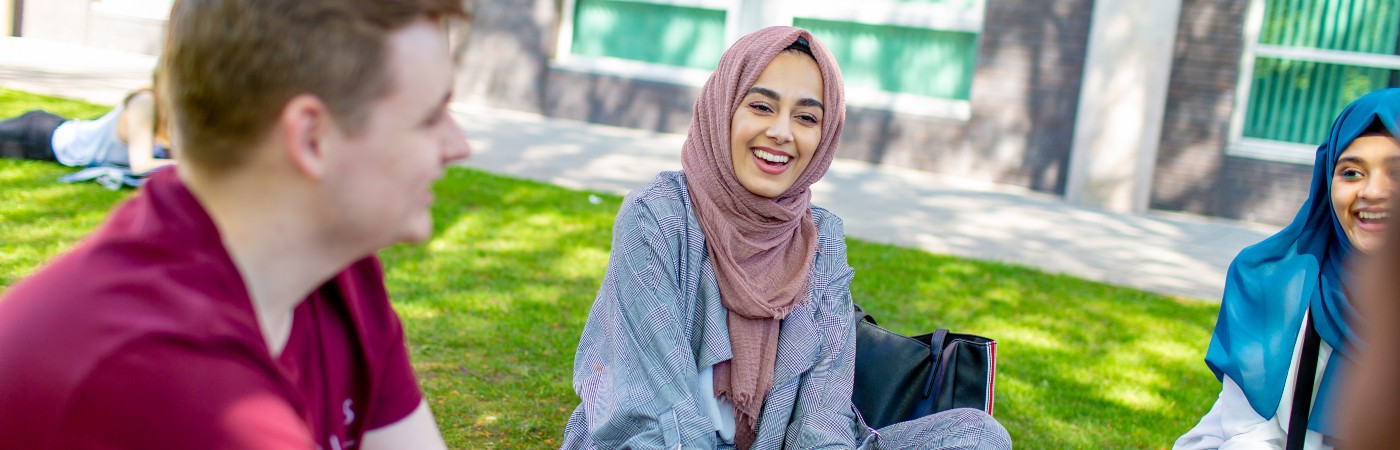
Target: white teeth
[771,157]
[1368,215]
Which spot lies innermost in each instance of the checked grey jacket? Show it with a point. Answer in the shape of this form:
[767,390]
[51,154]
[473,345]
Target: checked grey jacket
[658,319]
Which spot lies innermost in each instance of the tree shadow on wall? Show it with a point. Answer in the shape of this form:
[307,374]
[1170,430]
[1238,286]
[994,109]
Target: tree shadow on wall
[1042,40]
[503,54]
[1198,176]
[1053,79]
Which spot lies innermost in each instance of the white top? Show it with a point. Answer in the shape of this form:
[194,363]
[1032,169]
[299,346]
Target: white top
[1232,424]
[718,410]
[81,143]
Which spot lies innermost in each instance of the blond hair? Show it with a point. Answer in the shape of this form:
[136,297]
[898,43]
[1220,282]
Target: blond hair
[230,66]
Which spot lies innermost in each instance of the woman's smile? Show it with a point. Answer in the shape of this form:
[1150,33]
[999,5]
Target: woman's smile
[770,161]
[1372,220]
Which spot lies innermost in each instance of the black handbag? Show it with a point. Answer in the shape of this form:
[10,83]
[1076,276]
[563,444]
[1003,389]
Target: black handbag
[900,378]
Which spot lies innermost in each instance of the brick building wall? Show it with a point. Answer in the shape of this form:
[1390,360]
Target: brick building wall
[1024,94]
[1193,173]
[619,101]
[503,53]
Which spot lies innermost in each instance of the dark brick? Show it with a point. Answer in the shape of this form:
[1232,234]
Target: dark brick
[1193,173]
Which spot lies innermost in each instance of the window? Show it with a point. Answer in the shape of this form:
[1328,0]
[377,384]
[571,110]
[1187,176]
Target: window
[662,40]
[912,56]
[1309,59]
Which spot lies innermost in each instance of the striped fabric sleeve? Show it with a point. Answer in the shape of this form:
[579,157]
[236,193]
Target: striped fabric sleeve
[634,365]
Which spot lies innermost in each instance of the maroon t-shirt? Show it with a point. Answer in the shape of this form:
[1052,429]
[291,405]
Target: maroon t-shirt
[144,337]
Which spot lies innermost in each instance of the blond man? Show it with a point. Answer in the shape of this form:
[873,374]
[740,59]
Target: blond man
[236,302]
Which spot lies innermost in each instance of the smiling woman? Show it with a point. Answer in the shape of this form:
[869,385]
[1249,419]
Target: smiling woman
[1362,186]
[778,125]
[1286,320]
[725,316]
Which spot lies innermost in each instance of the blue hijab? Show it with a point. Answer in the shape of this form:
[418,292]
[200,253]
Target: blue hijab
[1273,283]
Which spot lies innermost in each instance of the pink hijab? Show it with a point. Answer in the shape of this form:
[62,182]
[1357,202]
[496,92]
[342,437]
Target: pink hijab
[761,248]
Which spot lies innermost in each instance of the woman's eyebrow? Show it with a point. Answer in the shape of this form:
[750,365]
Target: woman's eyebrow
[765,92]
[1357,160]
[776,97]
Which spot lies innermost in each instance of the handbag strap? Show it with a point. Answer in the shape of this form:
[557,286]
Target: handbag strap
[862,315]
[935,349]
[1303,387]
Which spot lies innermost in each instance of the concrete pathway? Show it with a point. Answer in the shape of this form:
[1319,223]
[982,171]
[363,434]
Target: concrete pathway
[1171,253]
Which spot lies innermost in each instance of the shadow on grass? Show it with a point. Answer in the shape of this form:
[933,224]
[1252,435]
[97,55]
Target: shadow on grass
[40,217]
[495,303]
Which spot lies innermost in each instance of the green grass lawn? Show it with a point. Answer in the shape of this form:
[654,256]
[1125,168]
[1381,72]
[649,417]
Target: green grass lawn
[495,302]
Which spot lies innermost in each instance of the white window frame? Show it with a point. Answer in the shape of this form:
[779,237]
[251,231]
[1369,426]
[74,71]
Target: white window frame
[144,9]
[1271,150]
[744,16]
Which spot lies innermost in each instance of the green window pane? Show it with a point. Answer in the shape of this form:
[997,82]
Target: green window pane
[662,34]
[919,61]
[1369,26]
[1295,101]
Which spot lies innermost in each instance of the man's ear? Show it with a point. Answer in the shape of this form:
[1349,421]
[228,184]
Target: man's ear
[304,127]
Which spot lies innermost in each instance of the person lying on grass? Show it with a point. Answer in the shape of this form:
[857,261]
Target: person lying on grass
[121,148]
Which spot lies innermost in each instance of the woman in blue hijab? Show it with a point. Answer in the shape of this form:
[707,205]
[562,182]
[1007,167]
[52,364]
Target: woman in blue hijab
[1285,304]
